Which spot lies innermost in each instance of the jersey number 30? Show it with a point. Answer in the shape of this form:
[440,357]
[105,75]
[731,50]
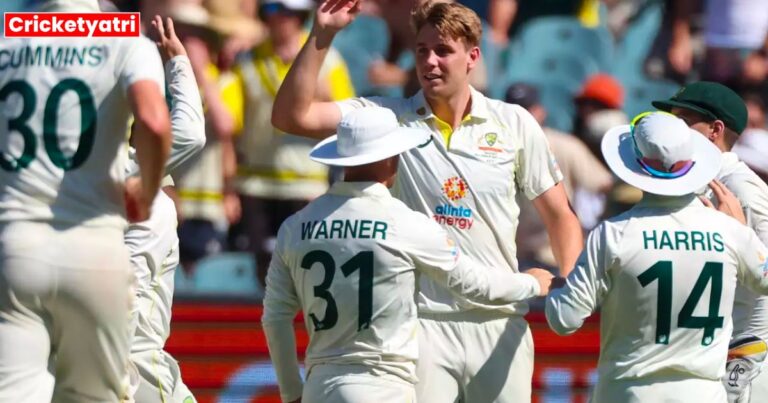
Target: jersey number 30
[50,116]
[662,271]
[362,261]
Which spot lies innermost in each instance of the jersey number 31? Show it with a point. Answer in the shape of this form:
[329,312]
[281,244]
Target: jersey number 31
[362,261]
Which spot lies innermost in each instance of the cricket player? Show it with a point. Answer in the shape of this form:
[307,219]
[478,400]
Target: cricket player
[154,243]
[480,154]
[349,261]
[664,273]
[66,286]
[720,114]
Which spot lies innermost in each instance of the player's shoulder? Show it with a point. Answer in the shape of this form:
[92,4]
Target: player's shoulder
[746,185]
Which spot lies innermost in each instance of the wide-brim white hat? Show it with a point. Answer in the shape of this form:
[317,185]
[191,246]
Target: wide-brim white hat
[365,136]
[620,151]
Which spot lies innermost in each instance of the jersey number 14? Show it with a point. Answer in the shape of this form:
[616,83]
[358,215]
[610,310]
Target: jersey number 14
[50,117]
[662,271]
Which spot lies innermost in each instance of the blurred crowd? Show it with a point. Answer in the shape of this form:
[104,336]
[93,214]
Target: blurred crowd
[579,66]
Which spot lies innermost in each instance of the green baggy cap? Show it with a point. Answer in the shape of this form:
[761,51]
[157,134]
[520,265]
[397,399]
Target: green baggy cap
[712,100]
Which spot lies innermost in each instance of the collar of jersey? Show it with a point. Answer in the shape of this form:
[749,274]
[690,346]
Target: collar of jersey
[652,200]
[376,189]
[479,109]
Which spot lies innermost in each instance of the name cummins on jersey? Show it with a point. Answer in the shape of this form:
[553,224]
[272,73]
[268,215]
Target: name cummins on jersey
[64,117]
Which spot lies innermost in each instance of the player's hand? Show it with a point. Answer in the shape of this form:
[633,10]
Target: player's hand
[544,277]
[726,201]
[167,42]
[137,207]
[333,15]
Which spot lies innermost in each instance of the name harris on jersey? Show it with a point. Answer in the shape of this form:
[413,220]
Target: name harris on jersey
[683,240]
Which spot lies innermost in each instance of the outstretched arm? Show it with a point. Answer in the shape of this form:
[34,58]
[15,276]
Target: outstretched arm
[295,109]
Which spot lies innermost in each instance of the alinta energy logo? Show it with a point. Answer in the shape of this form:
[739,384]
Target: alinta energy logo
[33,24]
[460,217]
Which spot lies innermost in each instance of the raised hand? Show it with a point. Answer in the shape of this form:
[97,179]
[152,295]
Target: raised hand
[334,15]
[167,42]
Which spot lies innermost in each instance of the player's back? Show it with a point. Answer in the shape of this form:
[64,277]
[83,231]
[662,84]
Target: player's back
[671,269]
[66,118]
[349,261]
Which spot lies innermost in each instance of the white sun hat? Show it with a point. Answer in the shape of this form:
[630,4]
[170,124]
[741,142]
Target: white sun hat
[660,154]
[367,135]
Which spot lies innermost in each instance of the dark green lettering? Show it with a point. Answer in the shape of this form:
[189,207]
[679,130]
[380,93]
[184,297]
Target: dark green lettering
[697,238]
[350,229]
[365,229]
[322,231]
[718,242]
[681,237]
[666,240]
[380,227]
[336,227]
[647,238]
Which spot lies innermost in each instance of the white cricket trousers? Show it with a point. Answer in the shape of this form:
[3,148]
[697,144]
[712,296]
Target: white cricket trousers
[154,250]
[65,295]
[659,389]
[474,357]
[332,383]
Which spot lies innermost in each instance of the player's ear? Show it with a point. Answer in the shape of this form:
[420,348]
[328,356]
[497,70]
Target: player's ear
[717,130]
[474,57]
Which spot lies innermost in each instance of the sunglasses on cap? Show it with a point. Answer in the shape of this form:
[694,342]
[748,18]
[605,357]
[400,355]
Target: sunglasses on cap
[656,167]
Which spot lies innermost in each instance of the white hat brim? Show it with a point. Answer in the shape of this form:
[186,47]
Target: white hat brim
[393,143]
[619,153]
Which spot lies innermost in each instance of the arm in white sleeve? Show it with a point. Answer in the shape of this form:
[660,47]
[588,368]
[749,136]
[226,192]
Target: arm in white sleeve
[436,255]
[280,307]
[568,307]
[756,212]
[753,261]
[187,118]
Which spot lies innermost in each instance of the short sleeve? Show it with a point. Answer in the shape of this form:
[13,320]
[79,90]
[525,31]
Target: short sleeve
[536,169]
[142,62]
[350,104]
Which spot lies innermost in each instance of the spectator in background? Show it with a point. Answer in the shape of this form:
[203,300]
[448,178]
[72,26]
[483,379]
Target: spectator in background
[208,203]
[752,146]
[508,16]
[275,176]
[598,108]
[580,168]
[735,36]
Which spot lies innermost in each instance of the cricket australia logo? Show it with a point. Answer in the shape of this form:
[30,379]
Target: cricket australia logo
[455,188]
[490,139]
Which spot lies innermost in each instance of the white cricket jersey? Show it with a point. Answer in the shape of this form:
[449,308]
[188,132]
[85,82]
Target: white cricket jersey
[468,186]
[348,261]
[64,115]
[664,274]
[750,310]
